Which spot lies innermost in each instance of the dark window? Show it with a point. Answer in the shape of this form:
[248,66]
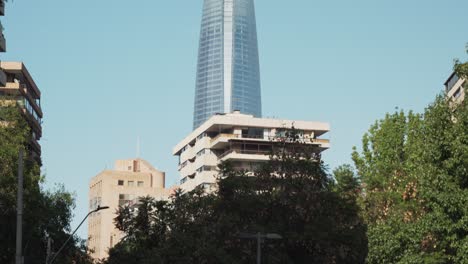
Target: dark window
[457,93]
[121,183]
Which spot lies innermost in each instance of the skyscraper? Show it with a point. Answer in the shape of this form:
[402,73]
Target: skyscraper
[228,74]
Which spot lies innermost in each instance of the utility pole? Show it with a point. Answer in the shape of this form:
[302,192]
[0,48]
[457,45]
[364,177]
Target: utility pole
[19,211]
[259,248]
[49,249]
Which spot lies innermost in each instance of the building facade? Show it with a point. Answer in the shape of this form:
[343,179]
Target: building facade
[244,140]
[228,72]
[21,90]
[454,88]
[129,180]
[2,42]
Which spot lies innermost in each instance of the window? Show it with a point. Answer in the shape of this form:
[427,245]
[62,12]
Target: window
[206,168]
[185,179]
[252,132]
[452,82]
[457,93]
[131,183]
[140,184]
[125,198]
[203,151]
[120,183]
[129,168]
[94,203]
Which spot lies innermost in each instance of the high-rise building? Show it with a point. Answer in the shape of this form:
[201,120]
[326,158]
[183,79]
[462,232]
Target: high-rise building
[129,180]
[21,90]
[454,88]
[228,74]
[244,140]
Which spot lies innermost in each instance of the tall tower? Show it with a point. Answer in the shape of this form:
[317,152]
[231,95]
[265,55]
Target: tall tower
[228,72]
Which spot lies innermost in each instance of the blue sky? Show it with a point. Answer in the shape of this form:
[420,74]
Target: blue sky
[113,71]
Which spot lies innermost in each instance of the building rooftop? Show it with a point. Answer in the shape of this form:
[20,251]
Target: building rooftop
[224,121]
[20,69]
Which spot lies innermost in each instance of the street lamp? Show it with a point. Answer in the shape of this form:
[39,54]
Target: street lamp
[260,238]
[99,208]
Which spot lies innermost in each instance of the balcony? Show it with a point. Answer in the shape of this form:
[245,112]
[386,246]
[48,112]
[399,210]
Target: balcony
[24,91]
[2,7]
[3,78]
[221,140]
[36,123]
[188,184]
[245,155]
[323,143]
[35,146]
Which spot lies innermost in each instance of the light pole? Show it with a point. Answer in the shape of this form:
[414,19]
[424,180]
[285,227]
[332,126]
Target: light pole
[260,238]
[99,208]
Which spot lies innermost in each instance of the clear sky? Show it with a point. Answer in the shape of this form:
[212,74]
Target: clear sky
[113,71]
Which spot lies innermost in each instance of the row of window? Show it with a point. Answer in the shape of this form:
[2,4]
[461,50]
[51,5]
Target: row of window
[131,183]
[207,168]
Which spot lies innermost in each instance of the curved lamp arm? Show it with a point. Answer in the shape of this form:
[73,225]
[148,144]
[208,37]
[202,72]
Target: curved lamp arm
[99,208]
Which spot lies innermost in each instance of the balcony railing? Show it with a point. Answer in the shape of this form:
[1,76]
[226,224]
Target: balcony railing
[253,136]
[224,135]
[321,141]
[238,151]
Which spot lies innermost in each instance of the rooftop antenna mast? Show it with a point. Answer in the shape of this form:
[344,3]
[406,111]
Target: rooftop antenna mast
[138,147]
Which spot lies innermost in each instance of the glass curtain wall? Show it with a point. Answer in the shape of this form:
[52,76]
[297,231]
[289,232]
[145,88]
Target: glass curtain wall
[228,75]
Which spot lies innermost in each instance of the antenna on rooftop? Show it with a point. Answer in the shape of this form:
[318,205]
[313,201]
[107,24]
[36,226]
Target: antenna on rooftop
[138,148]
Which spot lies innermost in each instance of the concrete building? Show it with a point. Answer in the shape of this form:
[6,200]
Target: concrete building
[129,180]
[242,139]
[454,88]
[21,90]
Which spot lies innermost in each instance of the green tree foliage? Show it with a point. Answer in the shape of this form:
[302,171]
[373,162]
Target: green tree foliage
[46,213]
[414,177]
[290,195]
[347,183]
[461,69]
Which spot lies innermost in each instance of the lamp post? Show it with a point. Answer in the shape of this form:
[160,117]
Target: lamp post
[99,208]
[260,238]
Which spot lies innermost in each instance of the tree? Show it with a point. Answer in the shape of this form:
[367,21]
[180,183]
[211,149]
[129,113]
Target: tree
[347,182]
[461,69]
[46,213]
[290,195]
[413,169]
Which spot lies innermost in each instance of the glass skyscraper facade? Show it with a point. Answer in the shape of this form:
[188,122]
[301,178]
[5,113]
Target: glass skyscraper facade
[228,72]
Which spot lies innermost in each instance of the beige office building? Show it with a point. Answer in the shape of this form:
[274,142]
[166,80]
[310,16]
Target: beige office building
[454,88]
[21,90]
[242,139]
[129,180]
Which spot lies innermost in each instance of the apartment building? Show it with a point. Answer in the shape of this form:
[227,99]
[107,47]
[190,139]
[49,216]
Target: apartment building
[123,185]
[243,139]
[21,90]
[454,88]
[2,42]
